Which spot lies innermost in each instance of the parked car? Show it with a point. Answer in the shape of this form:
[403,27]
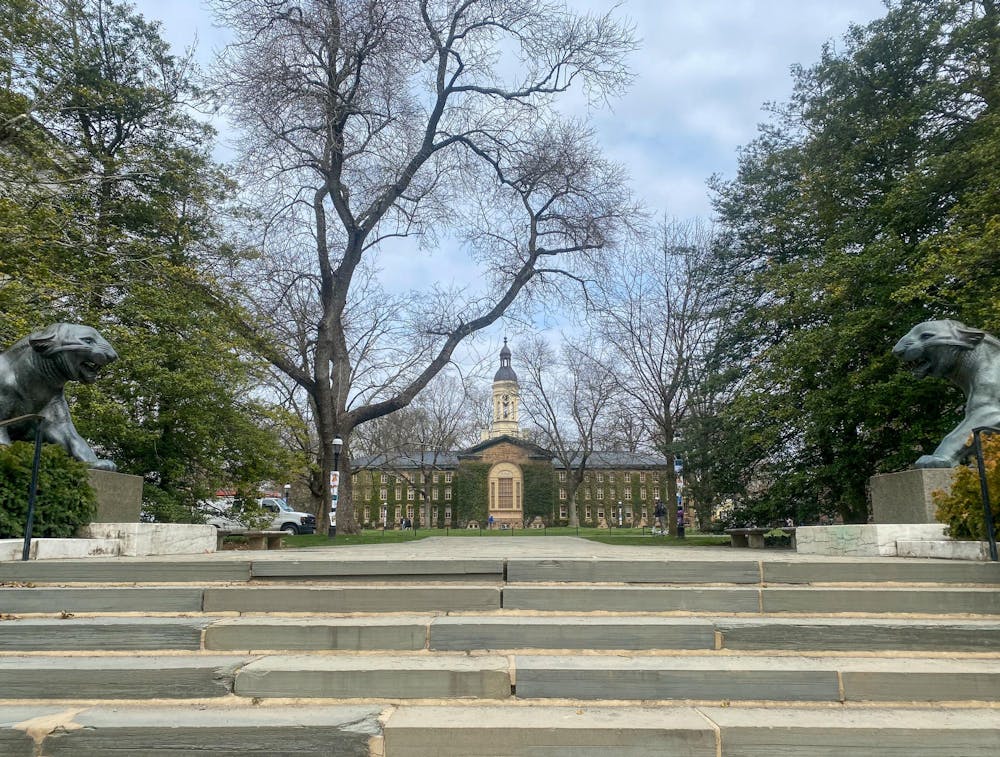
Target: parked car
[287,518]
[219,513]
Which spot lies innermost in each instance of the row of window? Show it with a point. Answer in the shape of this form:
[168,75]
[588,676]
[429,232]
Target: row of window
[382,515]
[588,513]
[599,494]
[419,478]
[411,493]
[600,476]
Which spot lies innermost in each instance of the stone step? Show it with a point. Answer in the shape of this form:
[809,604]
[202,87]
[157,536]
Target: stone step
[596,731]
[771,678]
[510,729]
[724,599]
[222,730]
[118,677]
[392,677]
[400,632]
[479,598]
[767,571]
[219,599]
[286,567]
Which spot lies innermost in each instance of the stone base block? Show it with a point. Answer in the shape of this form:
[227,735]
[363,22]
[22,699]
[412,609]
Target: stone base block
[56,549]
[906,497]
[946,549]
[119,496]
[141,539]
[863,540]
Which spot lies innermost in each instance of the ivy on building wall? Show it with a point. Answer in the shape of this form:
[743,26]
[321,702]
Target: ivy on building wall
[470,496]
[541,488]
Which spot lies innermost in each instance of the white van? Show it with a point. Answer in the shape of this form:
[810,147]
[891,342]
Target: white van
[287,518]
[284,517]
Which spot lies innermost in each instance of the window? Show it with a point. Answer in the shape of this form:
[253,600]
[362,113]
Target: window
[434,514]
[645,514]
[628,478]
[586,477]
[611,493]
[399,492]
[410,494]
[385,478]
[447,492]
[420,478]
[562,494]
[368,515]
[447,480]
[434,493]
[399,513]
[505,493]
[588,514]
[409,512]
[562,512]
[600,493]
[600,513]
[600,478]
[434,477]
[383,494]
[628,494]
[562,475]
[628,514]
[611,478]
[447,515]
[642,494]
[586,494]
[642,477]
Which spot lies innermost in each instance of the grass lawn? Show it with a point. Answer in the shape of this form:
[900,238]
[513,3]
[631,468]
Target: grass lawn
[625,536]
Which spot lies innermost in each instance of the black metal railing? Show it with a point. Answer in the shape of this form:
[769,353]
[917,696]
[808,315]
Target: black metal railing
[33,489]
[977,448]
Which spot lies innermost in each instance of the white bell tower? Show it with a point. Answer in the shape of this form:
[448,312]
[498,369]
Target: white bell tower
[505,398]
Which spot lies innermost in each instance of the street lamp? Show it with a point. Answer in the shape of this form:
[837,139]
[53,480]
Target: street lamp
[288,489]
[335,485]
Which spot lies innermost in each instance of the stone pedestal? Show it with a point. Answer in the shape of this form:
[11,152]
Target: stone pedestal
[141,539]
[119,496]
[871,540]
[905,497]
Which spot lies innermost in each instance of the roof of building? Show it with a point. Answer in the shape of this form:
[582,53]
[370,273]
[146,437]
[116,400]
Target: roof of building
[449,459]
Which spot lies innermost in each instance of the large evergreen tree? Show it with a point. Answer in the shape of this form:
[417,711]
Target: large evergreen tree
[864,206]
[111,215]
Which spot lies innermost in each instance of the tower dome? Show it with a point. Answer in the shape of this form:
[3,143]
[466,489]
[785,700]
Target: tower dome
[505,372]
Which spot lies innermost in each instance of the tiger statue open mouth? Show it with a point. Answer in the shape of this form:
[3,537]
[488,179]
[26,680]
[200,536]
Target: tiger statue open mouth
[970,359]
[33,373]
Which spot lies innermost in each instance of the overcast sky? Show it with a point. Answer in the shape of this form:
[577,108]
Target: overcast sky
[704,70]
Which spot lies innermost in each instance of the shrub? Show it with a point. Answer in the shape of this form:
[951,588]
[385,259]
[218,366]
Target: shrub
[962,509]
[65,499]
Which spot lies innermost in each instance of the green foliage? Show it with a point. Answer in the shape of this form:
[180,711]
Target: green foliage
[65,499]
[540,492]
[962,509]
[862,209]
[470,494]
[112,215]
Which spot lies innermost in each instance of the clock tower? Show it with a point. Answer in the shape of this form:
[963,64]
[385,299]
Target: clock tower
[505,398]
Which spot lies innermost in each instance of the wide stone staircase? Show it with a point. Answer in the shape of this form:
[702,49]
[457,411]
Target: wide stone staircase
[304,654]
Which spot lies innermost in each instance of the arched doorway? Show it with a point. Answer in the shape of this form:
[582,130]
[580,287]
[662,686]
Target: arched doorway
[506,487]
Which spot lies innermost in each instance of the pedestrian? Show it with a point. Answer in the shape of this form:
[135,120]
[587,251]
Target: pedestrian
[489,522]
[660,512]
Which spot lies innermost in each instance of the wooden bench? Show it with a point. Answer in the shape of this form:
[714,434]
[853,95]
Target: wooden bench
[753,538]
[255,539]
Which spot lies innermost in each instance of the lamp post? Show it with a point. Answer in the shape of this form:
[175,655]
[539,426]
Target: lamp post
[335,485]
[288,489]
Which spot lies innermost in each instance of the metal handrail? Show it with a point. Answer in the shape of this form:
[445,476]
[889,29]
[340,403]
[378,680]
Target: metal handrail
[33,489]
[977,446]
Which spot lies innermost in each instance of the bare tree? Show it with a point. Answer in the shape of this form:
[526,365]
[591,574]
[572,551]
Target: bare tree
[420,440]
[566,396]
[658,312]
[373,120]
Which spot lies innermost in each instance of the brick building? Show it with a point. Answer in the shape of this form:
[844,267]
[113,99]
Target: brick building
[504,476]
